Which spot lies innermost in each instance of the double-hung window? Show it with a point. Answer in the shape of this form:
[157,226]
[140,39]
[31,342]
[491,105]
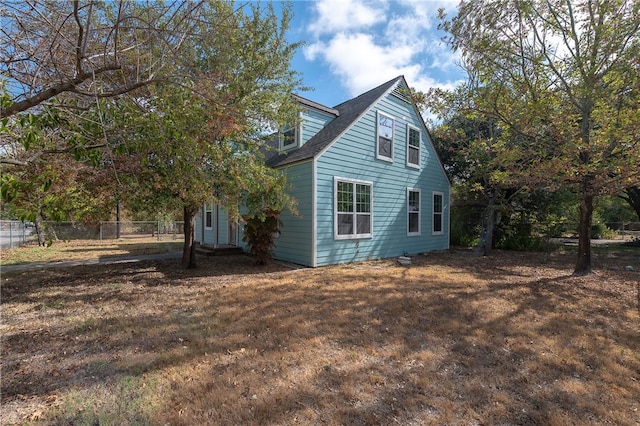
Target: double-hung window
[413,146]
[438,199]
[413,212]
[384,148]
[353,208]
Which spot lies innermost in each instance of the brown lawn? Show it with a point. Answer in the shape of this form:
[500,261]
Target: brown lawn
[452,339]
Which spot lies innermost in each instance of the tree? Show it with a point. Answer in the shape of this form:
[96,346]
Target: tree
[199,141]
[222,80]
[88,50]
[562,78]
[631,195]
[50,187]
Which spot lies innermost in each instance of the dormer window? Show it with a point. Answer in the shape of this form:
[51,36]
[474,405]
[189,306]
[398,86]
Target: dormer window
[289,137]
[384,148]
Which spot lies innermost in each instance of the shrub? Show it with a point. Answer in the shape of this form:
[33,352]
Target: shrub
[260,232]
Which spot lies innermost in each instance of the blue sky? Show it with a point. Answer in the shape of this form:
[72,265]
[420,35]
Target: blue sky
[352,46]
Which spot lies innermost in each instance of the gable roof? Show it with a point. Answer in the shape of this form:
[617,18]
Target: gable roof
[347,113]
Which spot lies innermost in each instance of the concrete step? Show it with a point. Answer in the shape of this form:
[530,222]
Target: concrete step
[218,251]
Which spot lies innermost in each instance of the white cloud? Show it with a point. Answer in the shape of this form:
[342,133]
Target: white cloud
[367,50]
[360,63]
[341,15]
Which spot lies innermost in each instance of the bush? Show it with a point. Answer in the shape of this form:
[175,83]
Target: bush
[465,226]
[259,234]
[601,231]
[522,243]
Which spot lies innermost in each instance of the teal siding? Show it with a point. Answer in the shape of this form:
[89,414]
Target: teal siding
[219,234]
[294,244]
[198,232]
[222,222]
[204,236]
[312,122]
[353,156]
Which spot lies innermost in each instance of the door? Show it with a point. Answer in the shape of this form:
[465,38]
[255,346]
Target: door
[233,233]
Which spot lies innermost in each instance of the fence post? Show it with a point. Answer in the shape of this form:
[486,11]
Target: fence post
[158,230]
[100,230]
[11,234]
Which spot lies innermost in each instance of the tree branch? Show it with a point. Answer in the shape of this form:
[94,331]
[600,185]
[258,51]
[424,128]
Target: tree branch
[49,93]
[35,156]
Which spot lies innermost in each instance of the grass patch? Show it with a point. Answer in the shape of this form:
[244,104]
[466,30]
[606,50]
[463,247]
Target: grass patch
[86,249]
[131,400]
[454,338]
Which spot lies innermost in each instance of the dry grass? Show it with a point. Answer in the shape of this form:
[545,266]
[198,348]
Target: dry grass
[451,339]
[87,249]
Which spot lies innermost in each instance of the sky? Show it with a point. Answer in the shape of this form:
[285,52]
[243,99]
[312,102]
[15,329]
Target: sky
[352,46]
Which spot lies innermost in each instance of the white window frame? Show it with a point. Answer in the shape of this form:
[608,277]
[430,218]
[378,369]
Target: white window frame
[379,116]
[409,147]
[440,213]
[297,131]
[353,235]
[208,208]
[418,212]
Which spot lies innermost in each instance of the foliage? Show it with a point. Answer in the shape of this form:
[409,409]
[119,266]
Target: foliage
[631,195]
[71,53]
[259,234]
[265,202]
[221,81]
[613,210]
[55,179]
[199,142]
[562,80]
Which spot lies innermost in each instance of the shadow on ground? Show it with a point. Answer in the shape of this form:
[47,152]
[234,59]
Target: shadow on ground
[453,338]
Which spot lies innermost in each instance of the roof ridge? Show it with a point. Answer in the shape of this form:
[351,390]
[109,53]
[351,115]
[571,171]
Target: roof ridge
[349,110]
[393,80]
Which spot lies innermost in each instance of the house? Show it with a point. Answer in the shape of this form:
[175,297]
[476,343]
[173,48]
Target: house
[367,180]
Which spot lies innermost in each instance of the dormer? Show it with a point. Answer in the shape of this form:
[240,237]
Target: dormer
[313,117]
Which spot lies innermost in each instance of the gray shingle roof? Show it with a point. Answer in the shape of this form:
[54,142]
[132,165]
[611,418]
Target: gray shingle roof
[348,113]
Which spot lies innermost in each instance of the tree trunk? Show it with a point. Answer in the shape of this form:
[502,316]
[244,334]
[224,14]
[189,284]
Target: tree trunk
[583,264]
[40,231]
[189,248]
[118,219]
[488,236]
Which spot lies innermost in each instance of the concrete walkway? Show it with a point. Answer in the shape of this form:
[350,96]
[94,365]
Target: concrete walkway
[101,261]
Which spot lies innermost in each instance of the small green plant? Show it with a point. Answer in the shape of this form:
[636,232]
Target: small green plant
[601,231]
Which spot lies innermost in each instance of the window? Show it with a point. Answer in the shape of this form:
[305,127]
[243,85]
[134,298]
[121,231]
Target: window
[208,216]
[413,147]
[413,212]
[289,137]
[353,207]
[385,137]
[437,212]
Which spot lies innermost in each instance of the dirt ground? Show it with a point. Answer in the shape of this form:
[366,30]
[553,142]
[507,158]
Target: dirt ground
[454,338]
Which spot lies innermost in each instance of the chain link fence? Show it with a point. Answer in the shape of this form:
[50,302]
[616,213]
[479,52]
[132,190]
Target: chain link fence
[15,233]
[607,231]
[160,230]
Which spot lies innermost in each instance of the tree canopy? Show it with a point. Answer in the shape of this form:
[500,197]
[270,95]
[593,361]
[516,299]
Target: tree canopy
[89,49]
[175,98]
[562,79]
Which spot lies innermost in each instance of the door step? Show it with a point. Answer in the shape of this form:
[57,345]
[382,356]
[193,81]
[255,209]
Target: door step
[218,251]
